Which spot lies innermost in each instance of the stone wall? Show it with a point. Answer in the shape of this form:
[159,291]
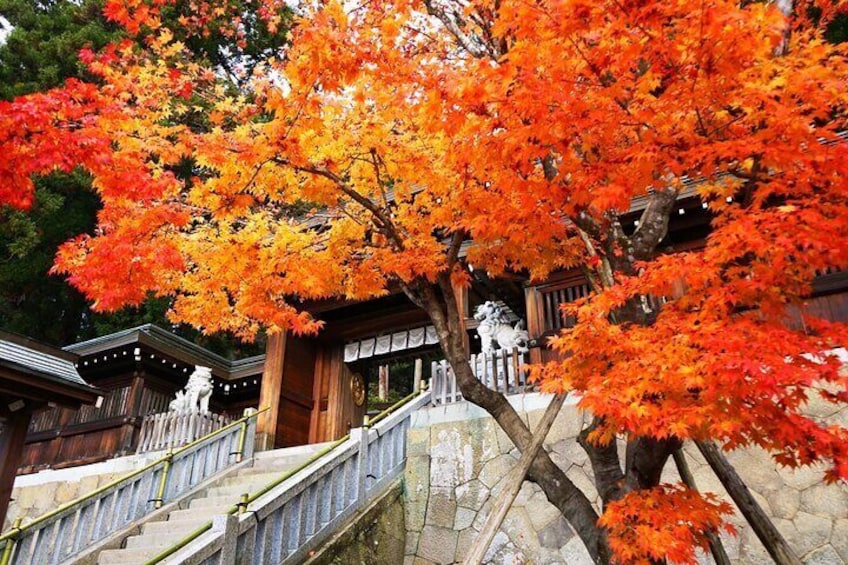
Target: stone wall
[38,493]
[374,536]
[30,502]
[458,456]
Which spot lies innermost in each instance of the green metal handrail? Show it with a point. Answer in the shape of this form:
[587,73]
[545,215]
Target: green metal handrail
[14,533]
[241,507]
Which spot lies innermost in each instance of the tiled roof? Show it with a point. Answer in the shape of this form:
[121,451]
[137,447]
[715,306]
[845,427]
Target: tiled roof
[174,345]
[26,356]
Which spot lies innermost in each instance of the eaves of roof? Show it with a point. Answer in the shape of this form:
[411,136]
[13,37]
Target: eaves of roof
[44,363]
[165,342]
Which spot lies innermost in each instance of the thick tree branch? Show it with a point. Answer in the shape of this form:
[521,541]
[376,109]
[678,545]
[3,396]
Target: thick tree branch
[646,458]
[440,304]
[382,221]
[512,485]
[454,247]
[653,224]
[606,466]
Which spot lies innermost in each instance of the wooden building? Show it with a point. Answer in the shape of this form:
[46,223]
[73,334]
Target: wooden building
[34,379]
[311,384]
[316,388]
[139,371]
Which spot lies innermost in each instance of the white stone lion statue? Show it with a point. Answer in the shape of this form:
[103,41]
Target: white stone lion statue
[196,393]
[494,328]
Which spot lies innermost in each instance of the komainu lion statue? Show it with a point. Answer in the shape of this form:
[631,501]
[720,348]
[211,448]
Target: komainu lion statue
[494,328]
[196,393]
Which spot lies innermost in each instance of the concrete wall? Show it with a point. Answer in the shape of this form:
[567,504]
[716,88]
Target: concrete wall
[457,458]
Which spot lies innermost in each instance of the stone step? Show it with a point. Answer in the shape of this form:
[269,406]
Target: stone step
[235,491]
[127,556]
[205,513]
[168,526]
[263,478]
[267,470]
[275,464]
[159,540]
[226,492]
[213,501]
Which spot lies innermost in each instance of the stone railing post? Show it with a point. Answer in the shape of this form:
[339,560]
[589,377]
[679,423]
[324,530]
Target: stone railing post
[247,436]
[226,524]
[360,435]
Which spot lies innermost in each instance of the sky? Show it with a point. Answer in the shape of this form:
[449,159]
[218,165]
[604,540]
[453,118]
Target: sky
[5,29]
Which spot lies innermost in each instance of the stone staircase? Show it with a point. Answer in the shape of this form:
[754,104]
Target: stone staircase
[224,493]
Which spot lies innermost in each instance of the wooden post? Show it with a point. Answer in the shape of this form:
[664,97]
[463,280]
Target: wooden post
[512,485]
[461,293]
[416,378]
[11,447]
[535,322]
[738,491]
[269,392]
[129,438]
[716,547]
[383,383]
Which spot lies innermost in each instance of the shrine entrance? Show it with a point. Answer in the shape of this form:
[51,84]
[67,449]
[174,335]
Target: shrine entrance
[390,378]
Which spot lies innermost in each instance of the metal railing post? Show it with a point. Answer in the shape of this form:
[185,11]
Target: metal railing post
[6,556]
[163,480]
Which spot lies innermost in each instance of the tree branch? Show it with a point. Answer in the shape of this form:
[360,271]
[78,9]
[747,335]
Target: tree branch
[455,246]
[468,42]
[653,224]
[381,220]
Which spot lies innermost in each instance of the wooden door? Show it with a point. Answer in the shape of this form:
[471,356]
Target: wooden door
[295,398]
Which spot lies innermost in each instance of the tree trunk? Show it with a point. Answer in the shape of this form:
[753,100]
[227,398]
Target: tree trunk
[512,485]
[738,491]
[716,548]
[440,304]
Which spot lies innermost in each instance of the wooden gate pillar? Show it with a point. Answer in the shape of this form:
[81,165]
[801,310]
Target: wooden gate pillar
[269,392]
[12,437]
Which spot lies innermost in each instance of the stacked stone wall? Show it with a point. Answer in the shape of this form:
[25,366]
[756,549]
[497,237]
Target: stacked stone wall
[30,502]
[38,493]
[458,458]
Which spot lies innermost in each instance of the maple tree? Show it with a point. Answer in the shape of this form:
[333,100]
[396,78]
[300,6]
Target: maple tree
[406,128]
[39,53]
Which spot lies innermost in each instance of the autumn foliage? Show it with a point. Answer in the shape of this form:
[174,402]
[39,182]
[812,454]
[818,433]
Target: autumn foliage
[388,133]
[665,522]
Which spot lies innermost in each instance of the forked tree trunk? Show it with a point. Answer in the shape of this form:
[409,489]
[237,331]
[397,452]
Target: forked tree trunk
[440,304]
[753,513]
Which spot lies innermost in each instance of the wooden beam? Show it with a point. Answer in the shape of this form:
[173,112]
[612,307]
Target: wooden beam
[316,433]
[512,484]
[269,392]
[769,536]
[11,447]
[716,547]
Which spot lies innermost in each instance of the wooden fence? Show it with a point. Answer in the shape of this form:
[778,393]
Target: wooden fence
[500,370]
[176,429]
